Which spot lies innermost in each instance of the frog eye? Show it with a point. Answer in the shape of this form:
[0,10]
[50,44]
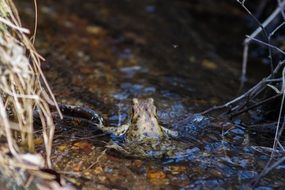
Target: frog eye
[151,100]
[135,101]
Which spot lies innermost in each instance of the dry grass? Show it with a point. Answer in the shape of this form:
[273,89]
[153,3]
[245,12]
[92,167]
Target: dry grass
[21,93]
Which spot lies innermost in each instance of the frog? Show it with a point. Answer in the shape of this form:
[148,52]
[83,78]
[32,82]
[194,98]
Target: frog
[143,135]
[143,125]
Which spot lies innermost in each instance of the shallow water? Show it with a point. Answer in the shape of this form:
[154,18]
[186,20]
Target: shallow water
[184,54]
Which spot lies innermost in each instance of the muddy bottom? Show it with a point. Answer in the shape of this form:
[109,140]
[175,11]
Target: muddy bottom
[184,54]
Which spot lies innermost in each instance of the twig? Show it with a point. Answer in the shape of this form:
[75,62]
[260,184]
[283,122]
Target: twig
[255,90]
[267,21]
[255,105]
[266,44]
[276,29]
[268,169]
[239,98]
[281,8]
[255,33]
[97,160]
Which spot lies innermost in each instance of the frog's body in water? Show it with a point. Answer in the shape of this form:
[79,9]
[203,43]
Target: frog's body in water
[144,125]
[143,135]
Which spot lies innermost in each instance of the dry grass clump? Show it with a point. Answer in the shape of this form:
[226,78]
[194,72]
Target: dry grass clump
[26,171]
[21,93]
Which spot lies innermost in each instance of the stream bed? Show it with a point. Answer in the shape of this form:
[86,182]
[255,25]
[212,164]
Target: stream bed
[186,55]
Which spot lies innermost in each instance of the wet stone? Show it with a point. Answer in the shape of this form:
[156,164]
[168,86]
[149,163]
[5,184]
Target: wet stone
[98,170]
[157,177]
[180,180]
[177,169]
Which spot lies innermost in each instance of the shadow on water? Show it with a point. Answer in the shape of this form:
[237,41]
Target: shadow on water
[184,54]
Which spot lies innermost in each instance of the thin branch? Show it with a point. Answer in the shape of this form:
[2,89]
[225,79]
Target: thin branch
[281,8]
[266,44]
[268,169]
[255,33]
[255,105]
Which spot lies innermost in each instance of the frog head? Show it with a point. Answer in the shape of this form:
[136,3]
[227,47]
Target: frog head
[144,123]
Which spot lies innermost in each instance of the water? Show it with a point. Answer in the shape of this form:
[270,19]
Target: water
[184,54]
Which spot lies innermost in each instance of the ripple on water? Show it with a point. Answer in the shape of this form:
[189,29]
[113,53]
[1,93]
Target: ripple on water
[128,90]
[187,155]
[246,175]
[192,126]
[207,184]
[171,112]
